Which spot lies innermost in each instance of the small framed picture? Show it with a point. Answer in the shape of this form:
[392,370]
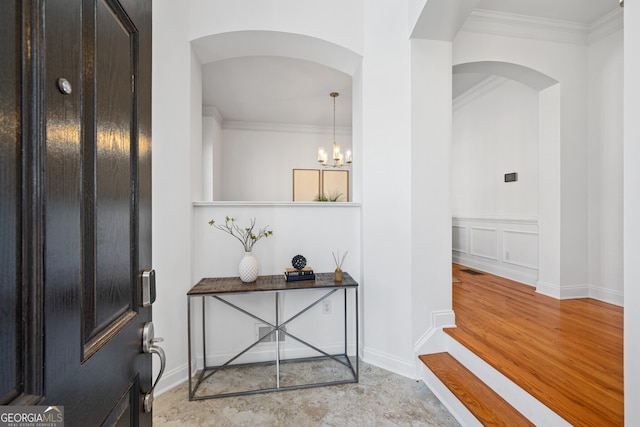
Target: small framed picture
[335,185]
[306,185]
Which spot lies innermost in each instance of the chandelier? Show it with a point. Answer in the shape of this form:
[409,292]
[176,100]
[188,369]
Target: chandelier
[339,159]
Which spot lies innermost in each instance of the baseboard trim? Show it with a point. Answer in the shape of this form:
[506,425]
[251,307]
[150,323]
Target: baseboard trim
[581,291]
[562,292]
[390,363]
[171,379]
[431,340]
[528,278]
[607,295]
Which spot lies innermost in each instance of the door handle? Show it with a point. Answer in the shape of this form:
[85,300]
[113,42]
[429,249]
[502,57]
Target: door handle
[149,346]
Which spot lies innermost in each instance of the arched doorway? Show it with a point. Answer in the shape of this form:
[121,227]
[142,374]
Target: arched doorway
[524,249]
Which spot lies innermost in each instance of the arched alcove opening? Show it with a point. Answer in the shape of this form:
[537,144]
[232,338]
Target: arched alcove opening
[284,74]
[517,233]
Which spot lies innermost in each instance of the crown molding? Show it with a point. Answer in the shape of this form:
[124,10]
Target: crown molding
[504,219]
[284,127]
[607,25]
[485,86]
[514,25]
[210,111]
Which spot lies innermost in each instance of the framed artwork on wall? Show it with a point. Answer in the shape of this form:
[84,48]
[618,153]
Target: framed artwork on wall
[335,185]
[306,185]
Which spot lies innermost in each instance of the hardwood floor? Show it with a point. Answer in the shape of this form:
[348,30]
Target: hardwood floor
[568,354]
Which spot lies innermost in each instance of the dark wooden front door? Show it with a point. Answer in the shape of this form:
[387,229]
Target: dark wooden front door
[75,189]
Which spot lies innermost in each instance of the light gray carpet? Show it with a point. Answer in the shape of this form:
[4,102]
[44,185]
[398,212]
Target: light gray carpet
[381,398]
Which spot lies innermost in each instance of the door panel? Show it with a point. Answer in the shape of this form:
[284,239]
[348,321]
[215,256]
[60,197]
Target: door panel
[75,226]
[10,207]
[121,415]
[108,284]
[21,239]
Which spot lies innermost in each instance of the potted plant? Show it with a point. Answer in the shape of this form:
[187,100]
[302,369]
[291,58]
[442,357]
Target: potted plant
[248,265]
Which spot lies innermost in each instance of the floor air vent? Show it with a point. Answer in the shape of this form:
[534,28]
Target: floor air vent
[472,272]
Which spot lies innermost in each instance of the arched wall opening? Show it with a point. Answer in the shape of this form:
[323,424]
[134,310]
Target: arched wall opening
[524,248]
[243,44]
[311,229]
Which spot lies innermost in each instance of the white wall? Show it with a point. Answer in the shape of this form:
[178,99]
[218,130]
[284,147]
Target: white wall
[308,229]
[495,224]
[257,153]
[314,230]
[381,226]
[172,181]
[605,168]
[386,188]
[211,154]
[207,157]
[431,118]
[195,126]
[549,200]
[631,214]
[336,21]
[495,131]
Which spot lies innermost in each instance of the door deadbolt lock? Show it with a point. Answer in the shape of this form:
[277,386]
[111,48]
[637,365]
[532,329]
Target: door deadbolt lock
[148,287]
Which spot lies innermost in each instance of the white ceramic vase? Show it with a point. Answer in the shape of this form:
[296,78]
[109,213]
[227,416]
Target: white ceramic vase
[248,268]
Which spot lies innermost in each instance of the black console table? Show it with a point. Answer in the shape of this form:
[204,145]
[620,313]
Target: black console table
[218,288]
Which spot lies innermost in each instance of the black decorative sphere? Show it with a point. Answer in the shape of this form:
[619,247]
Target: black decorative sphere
[298,262]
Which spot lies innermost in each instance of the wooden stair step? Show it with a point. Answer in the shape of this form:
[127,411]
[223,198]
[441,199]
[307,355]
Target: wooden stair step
[484,403]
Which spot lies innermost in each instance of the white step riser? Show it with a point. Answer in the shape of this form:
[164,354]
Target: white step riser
[526,404]
[453,405]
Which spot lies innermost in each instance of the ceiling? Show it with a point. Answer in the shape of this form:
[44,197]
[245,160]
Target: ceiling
[270,89]
[580,11]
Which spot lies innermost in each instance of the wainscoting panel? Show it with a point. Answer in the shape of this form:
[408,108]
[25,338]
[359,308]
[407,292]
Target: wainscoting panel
[484,242]
[507,247]
[460,239]
[520,248]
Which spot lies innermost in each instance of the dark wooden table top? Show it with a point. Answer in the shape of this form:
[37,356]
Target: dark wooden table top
[224,285]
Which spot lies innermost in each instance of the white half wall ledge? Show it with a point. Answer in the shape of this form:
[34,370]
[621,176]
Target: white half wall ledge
[323,205]
[216,47]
